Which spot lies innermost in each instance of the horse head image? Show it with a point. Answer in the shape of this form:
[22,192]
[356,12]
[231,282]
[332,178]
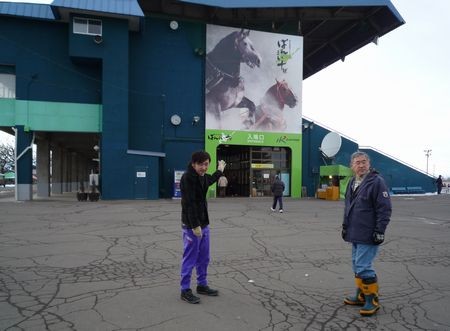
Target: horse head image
[249,55]
[282,93]
[269,113]
[224,86]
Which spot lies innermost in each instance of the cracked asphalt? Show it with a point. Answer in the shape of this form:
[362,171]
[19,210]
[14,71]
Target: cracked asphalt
[114,265]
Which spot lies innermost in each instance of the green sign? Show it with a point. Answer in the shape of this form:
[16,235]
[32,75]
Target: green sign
[214,138]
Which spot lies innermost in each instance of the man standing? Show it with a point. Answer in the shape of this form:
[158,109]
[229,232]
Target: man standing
[367,213]
[277,190]
[223,182]
[194,217]
[439,184]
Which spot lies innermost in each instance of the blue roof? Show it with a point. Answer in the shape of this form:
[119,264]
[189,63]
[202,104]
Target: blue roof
[294,4]
[118,7]
[32,10]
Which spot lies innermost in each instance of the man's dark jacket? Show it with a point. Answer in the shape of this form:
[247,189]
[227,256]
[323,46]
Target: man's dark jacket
[277,188]
[367,210]
[194,207]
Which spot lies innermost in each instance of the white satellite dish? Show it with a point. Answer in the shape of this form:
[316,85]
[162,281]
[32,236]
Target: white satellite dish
[331,144]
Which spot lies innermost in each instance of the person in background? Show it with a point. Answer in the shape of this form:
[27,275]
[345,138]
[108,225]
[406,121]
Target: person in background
[277,189]
[194,186]
[439,184]
[366,215]
[223,183]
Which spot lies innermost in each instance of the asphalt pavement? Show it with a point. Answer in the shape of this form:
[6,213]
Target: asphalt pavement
[114,265]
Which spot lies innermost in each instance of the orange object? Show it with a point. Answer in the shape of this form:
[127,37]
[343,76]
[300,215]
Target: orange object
[332,193]
[321,194]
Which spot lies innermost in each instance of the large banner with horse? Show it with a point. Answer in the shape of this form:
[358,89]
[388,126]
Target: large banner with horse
[253,80]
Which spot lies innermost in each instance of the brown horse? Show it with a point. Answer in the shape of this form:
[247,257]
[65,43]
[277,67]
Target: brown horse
[269,113]
[224,85]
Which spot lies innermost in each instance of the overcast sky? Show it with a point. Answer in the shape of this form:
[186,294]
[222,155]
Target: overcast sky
[394,97]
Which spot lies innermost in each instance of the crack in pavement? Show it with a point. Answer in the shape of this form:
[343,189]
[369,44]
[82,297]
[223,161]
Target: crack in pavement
[115,266]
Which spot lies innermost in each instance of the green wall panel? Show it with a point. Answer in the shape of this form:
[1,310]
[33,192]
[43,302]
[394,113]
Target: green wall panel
[51,116]
[7,112]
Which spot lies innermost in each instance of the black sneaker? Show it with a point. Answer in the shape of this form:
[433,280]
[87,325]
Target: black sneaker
[188,296]
[207,291]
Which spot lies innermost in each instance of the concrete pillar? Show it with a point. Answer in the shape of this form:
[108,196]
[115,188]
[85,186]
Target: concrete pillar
[43,168]
[57,168]
[73,172]
[66,171]
[24,165]
[82,172]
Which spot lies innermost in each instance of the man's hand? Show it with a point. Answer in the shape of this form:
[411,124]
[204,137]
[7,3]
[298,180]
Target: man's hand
[343,232]
[378,238]
[221,166]
[197,231]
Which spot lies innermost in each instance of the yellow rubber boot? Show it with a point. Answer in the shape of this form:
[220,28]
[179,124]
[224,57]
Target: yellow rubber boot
[370,291]
[358,299]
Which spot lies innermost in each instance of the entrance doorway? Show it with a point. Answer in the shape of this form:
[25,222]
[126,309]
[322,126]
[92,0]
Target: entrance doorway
[251,170]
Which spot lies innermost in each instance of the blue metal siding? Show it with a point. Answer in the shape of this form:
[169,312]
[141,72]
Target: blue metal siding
[398,174]
[312,158]
[166,78]
[29,10]
[120,7]
[44,71]
[395,173]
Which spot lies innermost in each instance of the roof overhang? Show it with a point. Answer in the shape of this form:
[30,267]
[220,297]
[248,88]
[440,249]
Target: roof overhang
[27,10]
[332,29]
[125,9]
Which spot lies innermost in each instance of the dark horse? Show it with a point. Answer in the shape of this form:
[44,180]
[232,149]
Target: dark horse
[224,85]
[269,113]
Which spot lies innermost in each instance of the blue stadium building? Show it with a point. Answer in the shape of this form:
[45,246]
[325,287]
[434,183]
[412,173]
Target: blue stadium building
[117,88]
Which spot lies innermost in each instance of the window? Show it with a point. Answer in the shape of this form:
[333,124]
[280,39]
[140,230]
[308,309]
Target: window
[7,82]
[87,26]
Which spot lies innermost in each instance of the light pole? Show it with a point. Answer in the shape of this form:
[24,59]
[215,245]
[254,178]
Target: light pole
[427,154]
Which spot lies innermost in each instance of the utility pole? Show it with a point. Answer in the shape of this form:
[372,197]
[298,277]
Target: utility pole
[427,154]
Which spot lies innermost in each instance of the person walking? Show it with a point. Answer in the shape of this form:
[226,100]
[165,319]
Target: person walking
[366,215]
[223,183]
[195,224]
[277,189]
[439,184]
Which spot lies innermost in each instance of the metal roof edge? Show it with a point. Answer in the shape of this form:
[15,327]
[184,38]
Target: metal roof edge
[27,10]
[295,4]
[100,6]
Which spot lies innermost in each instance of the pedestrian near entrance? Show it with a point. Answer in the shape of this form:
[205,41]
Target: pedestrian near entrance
[195,224]
[277,189]
[439,184]
[223,183]
[366,216]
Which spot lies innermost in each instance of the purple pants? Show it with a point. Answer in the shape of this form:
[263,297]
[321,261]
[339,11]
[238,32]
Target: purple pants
[195,254]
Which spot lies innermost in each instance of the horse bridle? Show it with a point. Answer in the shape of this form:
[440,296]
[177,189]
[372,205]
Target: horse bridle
[217,75]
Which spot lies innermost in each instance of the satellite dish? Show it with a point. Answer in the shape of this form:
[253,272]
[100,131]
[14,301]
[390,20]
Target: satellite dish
[331,144]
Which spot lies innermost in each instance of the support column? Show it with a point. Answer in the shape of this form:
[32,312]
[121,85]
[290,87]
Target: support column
[82,174]
[57,167]
[66,172]
[43,168]
[24,165]
[73,172]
